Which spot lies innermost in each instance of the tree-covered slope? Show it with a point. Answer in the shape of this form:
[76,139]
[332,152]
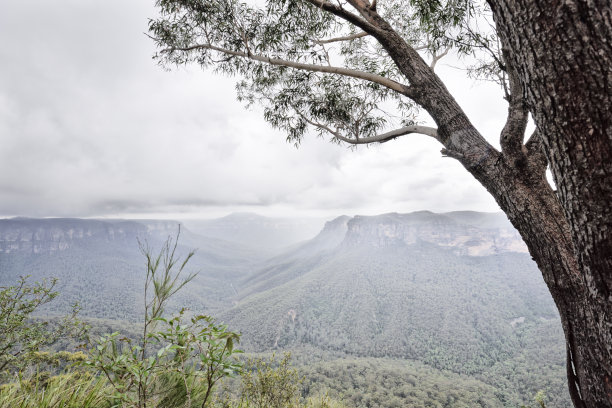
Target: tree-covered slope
[423,301]
[455,291]
[99,263]
[450,298]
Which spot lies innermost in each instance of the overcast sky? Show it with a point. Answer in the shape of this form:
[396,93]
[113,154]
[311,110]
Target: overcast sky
[91,127]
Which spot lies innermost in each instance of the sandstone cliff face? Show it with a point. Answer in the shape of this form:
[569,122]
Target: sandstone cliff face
[473,234]
[52,235]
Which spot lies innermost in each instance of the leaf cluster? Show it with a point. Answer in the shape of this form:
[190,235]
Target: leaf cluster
[189,357]
[21,334]
[227,34]
[183,361]
[288,54]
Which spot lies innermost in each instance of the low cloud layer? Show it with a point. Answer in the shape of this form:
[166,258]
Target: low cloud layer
[90,126]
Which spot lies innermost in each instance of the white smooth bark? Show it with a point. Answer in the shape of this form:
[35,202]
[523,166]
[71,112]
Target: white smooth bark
[353,73]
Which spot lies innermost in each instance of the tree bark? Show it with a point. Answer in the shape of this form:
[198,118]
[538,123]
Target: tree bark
[562,51]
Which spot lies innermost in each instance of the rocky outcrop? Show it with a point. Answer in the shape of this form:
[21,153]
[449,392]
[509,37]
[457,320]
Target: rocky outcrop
[59,234]
[466,233]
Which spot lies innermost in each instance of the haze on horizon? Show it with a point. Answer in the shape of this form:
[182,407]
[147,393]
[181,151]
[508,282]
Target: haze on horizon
[90,126]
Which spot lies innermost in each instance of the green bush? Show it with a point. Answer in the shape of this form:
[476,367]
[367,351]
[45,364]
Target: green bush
[172,363]
[269,383]
[21,335]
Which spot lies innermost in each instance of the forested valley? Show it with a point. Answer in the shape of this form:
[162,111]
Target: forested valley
[395,310]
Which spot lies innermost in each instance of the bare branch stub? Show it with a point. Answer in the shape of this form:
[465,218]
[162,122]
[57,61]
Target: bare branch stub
[438,57]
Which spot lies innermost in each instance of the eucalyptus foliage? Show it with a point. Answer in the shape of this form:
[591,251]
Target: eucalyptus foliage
[308,68]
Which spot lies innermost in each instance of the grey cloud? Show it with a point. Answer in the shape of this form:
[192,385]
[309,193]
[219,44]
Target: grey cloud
[90,126]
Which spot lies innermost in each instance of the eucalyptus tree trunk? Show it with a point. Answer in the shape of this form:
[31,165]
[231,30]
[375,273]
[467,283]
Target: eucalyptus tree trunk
[562,52]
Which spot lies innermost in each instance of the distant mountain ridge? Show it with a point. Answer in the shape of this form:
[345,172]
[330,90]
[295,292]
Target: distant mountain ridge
[98,260]
[416,255]
[59,234]
[467,233]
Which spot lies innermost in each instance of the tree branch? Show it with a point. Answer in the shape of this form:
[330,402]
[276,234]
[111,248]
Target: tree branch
[382,138]
[385,137]
[455,131]
[321,126]
[389,83]
[438,57]
[337,10]
[363,6]
[511,138]
[343,38]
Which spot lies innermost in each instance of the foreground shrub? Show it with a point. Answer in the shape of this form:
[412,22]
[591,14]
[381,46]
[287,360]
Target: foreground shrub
[71,390]
[173,363]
